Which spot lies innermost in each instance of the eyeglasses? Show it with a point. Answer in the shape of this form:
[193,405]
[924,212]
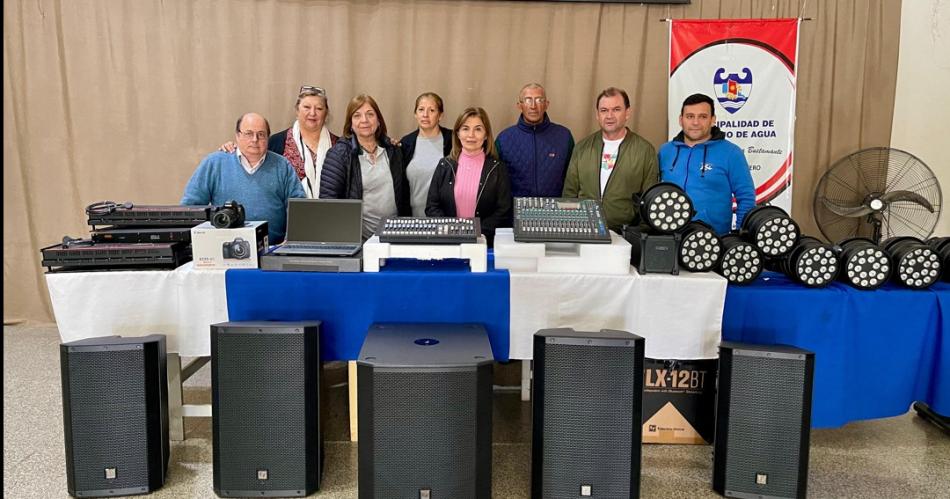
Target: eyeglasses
[307,89]
[533,100]
[250,135]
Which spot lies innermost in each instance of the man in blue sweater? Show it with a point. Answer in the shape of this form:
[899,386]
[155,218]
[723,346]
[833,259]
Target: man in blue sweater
[535,149]
[711,169]
[260,180]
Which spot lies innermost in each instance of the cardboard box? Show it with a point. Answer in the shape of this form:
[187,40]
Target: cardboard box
[679,398]
[236,248]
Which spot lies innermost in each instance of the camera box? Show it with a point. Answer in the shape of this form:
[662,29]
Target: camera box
[235,248]
[679,398]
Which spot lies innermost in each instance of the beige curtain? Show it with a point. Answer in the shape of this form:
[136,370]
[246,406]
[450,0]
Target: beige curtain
[120,100]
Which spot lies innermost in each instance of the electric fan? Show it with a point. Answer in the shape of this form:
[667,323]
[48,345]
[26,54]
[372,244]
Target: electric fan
[877,193]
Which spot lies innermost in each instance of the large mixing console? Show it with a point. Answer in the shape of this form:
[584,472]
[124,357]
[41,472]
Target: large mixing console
[559,220]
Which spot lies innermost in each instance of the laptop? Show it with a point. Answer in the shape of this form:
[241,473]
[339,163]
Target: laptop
[323,227]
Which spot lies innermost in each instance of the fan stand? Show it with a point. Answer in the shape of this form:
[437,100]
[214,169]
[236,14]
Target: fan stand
[874,202]
[875,220]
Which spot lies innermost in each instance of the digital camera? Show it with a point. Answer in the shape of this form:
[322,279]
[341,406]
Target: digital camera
[228,215]
[238,249]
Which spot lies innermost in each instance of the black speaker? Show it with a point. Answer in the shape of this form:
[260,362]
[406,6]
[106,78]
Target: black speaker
[653,253]
[588,394]
[265,386]
[763,420]
[115,415]
[425,412]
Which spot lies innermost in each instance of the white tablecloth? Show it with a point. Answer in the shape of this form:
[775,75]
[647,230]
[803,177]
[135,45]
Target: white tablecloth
[679,316]
[180,304]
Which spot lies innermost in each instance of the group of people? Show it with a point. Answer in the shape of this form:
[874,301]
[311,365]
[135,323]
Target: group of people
[466,171]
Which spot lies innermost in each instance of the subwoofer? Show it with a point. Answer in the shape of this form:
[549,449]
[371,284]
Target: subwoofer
[763,420]
[425,412]
[588,394]
[115,415]
[265,384]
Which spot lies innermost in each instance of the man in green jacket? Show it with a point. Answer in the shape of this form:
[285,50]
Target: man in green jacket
[612,164]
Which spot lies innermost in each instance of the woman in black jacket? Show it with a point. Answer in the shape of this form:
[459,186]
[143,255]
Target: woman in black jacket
[472,181]
[432,141]
[365,165]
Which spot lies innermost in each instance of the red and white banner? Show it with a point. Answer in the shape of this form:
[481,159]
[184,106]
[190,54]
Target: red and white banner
[748,67]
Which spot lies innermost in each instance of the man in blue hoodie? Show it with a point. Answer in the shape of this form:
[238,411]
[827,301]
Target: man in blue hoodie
[711,169]
[535,149]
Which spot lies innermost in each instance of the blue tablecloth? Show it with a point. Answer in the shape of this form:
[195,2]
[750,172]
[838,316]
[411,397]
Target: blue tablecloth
[876,352]
[348,303]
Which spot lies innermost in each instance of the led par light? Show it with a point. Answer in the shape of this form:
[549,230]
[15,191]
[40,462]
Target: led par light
[741,262]
[942,246]
[916,265]
[810,262]
[665,207]
[771,230]
[864,265]
[700,248]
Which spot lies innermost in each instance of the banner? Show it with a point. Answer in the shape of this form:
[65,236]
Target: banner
[748,67]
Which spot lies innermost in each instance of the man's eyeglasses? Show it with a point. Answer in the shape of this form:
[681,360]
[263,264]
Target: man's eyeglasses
[307,89]
[533,100]
[249,135]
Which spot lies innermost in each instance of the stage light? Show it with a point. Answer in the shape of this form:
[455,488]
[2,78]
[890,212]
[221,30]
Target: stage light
[942,246]
[700,248]
[810,262]
[915,264]
[741,262]
[665,207]
[864,265]
[771,230]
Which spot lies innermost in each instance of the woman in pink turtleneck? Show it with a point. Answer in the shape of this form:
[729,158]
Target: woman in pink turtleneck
[472,181]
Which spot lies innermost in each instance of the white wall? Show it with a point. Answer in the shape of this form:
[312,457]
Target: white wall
[922,103]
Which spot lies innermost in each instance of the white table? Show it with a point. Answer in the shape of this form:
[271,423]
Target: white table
[679,316]
[180,303]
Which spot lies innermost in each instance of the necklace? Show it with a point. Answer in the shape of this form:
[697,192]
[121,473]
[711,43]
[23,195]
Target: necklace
[371,154]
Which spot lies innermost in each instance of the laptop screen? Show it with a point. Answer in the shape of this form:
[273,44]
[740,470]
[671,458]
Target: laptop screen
[325,220]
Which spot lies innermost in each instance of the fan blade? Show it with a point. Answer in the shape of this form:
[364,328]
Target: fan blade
[890,197]
[846,211]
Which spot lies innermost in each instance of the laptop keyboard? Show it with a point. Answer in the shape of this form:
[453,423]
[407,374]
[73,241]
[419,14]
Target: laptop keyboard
[317,249]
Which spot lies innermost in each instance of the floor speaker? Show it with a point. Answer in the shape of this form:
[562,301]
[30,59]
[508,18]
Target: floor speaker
[588,394]
[425,412]
[266,408]
[763,420]
[115,415]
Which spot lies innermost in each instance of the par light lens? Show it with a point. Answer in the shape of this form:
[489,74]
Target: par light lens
[916,265]
[700,248]
[741,261]
[665,207]
[810,262]
[771,230]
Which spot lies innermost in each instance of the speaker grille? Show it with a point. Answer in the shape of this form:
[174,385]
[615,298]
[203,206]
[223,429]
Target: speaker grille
[108,419]
[587,439]
[424,433]
[261,410]
[765,436]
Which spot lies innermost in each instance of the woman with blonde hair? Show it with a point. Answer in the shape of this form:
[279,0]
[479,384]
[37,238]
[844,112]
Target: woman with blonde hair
[472,181]
[366,165]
